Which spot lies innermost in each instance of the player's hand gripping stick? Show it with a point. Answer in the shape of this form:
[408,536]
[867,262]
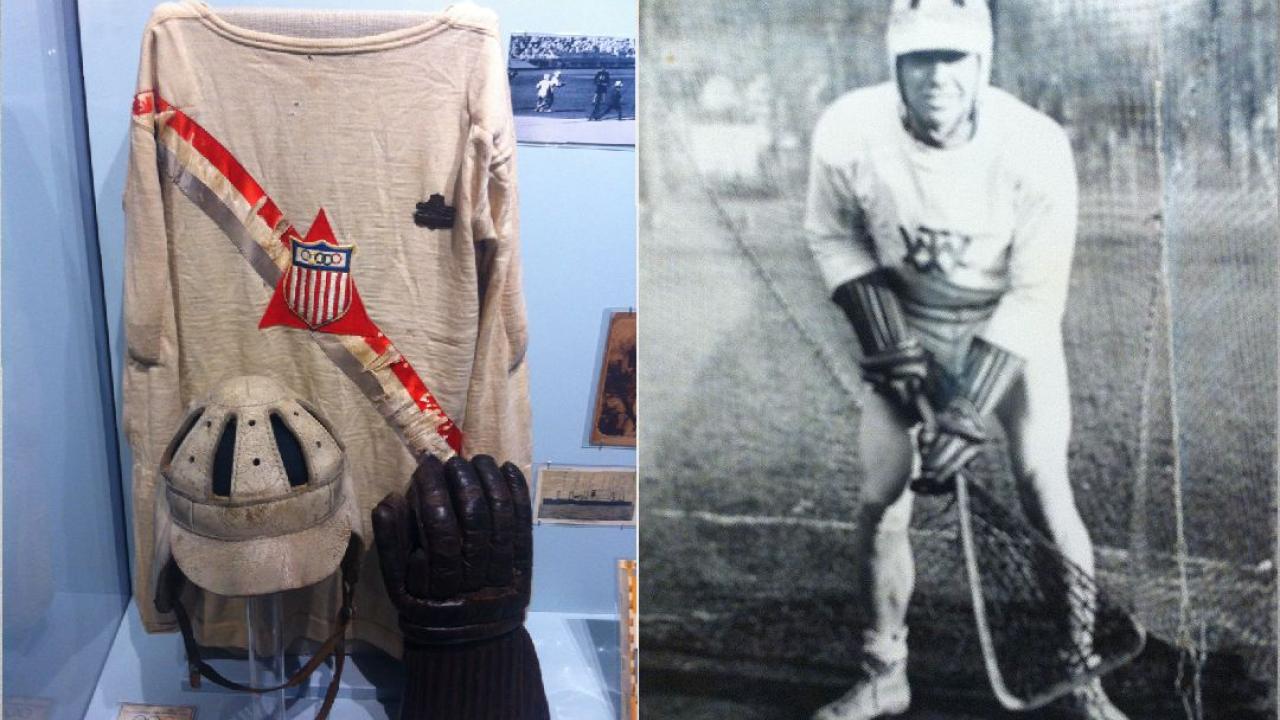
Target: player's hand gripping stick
[928,421]
[957,433]
[927,435]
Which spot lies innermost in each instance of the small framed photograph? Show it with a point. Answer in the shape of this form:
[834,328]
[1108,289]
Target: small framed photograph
[578,495]
[613,415]
[573,89]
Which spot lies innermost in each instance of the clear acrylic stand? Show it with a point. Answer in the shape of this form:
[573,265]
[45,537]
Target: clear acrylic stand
[263,616]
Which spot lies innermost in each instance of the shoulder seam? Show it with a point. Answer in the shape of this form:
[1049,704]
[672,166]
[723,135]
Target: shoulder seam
[472,27]
[472,17]
[166,11]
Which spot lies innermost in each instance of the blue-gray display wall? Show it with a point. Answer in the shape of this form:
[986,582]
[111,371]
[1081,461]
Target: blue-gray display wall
[65,570]
[66,500]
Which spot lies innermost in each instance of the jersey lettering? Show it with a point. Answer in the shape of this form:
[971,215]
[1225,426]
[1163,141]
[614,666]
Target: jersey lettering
[931,250]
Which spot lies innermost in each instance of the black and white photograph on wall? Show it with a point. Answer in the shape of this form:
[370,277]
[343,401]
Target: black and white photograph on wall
[573,89]
[959,359]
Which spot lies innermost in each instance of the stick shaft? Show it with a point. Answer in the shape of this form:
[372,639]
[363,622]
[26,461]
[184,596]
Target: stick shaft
[928,419]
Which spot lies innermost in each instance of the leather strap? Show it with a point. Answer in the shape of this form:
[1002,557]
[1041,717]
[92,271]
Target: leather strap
[335,645]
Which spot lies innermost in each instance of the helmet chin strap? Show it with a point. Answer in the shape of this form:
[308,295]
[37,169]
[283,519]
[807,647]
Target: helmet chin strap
[170,593]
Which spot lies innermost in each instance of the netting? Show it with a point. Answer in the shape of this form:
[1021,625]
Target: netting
[1171,329]
[1209,519]
[1172,113]
[1044,625]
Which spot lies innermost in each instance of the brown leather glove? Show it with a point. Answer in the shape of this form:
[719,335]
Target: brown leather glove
[457,556]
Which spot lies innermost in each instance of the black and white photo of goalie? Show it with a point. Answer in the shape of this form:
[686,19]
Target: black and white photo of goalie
[573,89]
[959,359]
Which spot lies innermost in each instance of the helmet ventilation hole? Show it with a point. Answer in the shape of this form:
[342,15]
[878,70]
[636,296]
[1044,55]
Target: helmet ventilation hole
[290,449]
[186,429]
[223,459]
[188,425]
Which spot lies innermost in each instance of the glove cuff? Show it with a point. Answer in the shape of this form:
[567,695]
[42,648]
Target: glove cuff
[497,678]
[907,351]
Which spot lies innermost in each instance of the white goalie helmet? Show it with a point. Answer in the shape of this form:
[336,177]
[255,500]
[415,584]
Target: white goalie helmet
[257,499]
[256,496]
[961,25]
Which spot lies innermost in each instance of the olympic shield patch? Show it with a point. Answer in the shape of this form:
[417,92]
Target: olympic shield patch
[318,286]
[317,291]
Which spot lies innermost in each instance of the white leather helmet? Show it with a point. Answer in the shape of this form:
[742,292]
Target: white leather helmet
[256,492]
[257,499]
[961,25]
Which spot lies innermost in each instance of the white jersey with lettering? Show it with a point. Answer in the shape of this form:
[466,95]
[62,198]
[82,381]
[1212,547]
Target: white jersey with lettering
[990,222]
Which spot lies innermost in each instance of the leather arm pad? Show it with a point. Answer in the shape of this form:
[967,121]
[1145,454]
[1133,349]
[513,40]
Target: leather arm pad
[989,372]
[872,307]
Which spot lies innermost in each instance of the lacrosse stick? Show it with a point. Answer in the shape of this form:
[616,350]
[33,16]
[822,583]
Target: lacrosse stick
[1043,625]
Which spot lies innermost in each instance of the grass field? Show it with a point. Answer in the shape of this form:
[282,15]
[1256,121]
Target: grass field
[573,100]
[749,476]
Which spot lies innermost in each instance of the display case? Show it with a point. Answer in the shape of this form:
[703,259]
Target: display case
[74,643]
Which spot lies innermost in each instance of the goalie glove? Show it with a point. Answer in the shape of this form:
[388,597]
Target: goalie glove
[959,433]
[456,553]
[893,361]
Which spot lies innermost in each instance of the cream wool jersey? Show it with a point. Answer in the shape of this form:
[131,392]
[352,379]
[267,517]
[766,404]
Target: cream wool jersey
[327,199]
[991,221]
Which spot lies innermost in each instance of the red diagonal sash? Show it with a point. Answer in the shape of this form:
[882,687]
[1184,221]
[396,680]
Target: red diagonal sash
[217,183]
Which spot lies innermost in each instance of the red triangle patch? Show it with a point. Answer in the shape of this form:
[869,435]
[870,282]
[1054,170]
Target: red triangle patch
[317,292]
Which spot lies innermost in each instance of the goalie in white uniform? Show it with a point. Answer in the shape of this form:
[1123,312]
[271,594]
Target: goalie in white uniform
[942,214]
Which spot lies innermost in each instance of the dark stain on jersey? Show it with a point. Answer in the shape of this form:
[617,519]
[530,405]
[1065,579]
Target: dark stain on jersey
[434,214]
[929,249]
